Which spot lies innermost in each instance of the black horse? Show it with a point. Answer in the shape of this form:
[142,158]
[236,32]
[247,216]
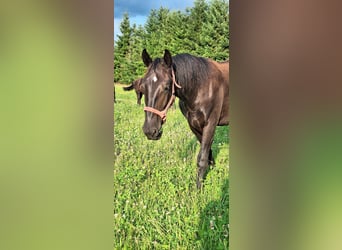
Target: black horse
[202,86]
[136,86]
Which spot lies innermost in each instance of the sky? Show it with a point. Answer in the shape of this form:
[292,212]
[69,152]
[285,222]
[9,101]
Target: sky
[138,10]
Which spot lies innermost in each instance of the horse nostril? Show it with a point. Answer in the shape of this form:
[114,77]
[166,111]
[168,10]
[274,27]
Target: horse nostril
[155,132]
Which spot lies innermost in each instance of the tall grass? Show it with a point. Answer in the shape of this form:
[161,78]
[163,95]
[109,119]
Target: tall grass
[156,203]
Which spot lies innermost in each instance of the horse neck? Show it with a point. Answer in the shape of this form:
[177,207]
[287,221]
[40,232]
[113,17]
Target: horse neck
[179,93]
[184,93]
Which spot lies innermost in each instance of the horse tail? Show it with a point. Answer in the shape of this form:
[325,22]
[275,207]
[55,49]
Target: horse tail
[130,87]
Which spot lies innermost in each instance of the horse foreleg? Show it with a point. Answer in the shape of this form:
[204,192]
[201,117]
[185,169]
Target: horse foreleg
[198,134]
[211,160]
[205,155]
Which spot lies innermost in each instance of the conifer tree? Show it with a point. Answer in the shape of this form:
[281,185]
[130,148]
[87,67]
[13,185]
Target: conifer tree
[194,27]
[214,39]
[122,53]
[201,30]
[138,41]
[152,35]
[176,43]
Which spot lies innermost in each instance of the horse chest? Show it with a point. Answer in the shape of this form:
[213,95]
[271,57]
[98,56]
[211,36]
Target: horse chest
[196,118]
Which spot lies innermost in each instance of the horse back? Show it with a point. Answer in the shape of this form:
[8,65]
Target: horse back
[223,81]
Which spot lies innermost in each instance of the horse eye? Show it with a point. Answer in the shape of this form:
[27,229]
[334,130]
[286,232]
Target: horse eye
[166,88]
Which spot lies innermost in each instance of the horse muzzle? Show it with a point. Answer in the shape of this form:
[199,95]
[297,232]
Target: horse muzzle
[154,134]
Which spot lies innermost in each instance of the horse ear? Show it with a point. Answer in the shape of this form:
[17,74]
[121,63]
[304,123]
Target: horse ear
[146,58]
[168,58]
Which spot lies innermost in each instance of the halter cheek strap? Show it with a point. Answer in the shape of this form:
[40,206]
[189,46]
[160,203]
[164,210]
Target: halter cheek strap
[162,114]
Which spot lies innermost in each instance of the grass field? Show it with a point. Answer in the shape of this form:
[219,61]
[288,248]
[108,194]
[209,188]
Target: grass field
[156,203]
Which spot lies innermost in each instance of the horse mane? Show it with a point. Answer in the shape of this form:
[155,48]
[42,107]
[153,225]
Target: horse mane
[189,70]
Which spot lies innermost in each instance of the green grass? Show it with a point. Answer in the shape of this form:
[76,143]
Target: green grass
[156,203]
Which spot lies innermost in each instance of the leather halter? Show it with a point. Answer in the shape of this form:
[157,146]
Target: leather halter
[162,114]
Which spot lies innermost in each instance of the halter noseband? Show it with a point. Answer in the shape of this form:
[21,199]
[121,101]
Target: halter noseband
[162,114]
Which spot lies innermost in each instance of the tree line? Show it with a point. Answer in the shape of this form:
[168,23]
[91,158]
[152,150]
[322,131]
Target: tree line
[201,30]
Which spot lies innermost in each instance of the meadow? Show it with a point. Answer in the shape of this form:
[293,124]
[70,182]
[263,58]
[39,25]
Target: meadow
[156,203]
